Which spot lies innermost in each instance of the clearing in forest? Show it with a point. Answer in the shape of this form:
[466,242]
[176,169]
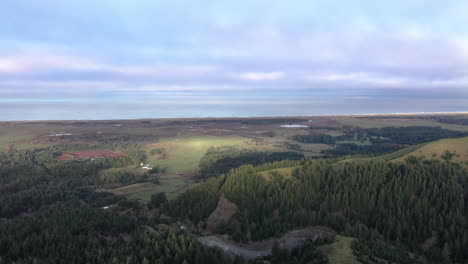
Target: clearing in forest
[340,251]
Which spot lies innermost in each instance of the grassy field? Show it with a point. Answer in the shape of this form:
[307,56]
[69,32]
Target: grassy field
[340,252]
[436,149]
[184,154]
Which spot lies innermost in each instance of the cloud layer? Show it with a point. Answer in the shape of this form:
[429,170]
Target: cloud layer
[67,49]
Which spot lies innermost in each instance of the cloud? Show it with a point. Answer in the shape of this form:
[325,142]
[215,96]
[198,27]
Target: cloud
[27,61]
[46,63]
[462,45]
[259,76]
[376,80]
[161,70]
[218,46]
[369,79]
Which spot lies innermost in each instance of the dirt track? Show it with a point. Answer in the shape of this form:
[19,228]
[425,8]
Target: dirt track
[261,249]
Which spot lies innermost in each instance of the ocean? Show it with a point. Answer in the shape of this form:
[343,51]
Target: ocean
[224,104]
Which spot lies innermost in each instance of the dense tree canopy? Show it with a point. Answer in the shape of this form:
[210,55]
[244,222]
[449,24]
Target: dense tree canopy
[49,214]
[407,204]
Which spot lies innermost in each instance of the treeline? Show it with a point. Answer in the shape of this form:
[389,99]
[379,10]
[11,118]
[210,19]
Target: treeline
[394,135]
[103,141]
[383,140]
[23,169]
[221,160]
[411,135]
[128,175]
[315,138]
[455,121]
[30,179]
[406,204]
[354,149]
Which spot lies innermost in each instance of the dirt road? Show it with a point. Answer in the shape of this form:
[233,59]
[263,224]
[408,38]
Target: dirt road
[263,248]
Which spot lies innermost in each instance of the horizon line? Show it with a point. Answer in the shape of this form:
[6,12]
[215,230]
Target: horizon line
[245,117]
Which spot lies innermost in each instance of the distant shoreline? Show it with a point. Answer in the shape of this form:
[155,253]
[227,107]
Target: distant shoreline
[239,117]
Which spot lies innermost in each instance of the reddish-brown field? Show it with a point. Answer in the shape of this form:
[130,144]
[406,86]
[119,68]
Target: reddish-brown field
[65,157]
[87,154]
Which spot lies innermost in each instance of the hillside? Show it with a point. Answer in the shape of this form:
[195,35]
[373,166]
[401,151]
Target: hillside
[381,203]
[437,149]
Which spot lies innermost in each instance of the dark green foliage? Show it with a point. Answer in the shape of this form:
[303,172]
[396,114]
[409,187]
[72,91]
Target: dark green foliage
[66,234]
[158,151]
[308,253]
[157,200]
[448,156]
[278,254]
[124,203]
[48,215]
[405,203]
[126,176]
[377,251]
[137,155]
[315,138]
[157,170]
[292,146]
[354,149]
[59,234]
[383,140]
[221,160]
[454,120]
[411,134]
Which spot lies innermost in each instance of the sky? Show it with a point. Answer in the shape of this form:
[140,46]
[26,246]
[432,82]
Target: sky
[151,58]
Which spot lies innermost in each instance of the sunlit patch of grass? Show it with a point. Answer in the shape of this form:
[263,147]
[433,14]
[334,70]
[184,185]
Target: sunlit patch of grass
[340,251]
[183,154]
